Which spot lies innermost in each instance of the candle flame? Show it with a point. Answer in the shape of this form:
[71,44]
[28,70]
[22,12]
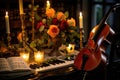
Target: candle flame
[48,2]
[80,13]
[24,56]
[6,13]
[39,56]
[70,48]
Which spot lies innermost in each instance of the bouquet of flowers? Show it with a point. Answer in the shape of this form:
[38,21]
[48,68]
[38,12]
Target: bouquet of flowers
[54,29]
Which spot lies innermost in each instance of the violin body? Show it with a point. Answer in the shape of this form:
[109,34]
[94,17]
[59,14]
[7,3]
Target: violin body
[92,62]
[92,49]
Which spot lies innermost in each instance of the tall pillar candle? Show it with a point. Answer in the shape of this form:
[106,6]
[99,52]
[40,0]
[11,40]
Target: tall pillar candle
[81,20]
[47,4]
[21,6]
[7,23]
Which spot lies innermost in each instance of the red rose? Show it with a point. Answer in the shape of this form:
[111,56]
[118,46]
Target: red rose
[63,25]
[55,21]
[39,25]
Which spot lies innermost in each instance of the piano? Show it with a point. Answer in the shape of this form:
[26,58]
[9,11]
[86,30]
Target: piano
[53,64]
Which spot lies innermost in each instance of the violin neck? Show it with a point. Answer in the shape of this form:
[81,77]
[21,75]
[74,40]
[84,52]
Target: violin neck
[98,31]
[102,22]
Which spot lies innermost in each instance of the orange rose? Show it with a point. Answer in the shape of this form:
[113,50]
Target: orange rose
[71,22]
[19,36]
[53,31]
[50,12]
[60,16]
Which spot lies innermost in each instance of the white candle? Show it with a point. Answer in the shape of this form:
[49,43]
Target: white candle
[48,4]
[7,23]
[21,6]
[81,20]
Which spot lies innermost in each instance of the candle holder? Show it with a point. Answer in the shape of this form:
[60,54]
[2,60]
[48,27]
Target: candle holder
[33,21]
[70,48]
[81,37]
[25,55]
[22,18]
[39,56]
[8,39]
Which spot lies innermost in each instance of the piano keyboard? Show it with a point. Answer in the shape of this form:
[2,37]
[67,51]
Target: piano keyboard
[53,64]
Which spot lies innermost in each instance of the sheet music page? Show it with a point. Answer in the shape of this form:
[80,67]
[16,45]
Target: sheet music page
[4,65]
[17,63]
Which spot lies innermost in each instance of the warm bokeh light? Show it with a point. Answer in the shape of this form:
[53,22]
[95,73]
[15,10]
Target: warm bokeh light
[25,56]
[39,56]
[70,48]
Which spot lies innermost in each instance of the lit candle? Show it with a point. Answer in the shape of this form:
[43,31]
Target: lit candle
[48,4]
[70,48]
[81,29]
[39,56]
[81,20]
[7,23]
[25,56]
[21,6]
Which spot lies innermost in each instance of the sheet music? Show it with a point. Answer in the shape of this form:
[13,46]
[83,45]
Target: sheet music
[4,65]
[17,63]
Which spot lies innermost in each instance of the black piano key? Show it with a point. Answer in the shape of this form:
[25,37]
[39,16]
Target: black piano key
[34,66]
[56,61]
[44,64]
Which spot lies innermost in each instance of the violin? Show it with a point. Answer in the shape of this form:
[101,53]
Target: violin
[91,55]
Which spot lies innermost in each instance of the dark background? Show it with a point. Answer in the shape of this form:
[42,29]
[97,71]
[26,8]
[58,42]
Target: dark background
[74,7]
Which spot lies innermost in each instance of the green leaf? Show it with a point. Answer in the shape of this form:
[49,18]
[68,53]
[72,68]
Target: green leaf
[40,41]
[66,14]
[30,19]
[37,6]
[41,28]
[30,6]
[33,44]
[44,21]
